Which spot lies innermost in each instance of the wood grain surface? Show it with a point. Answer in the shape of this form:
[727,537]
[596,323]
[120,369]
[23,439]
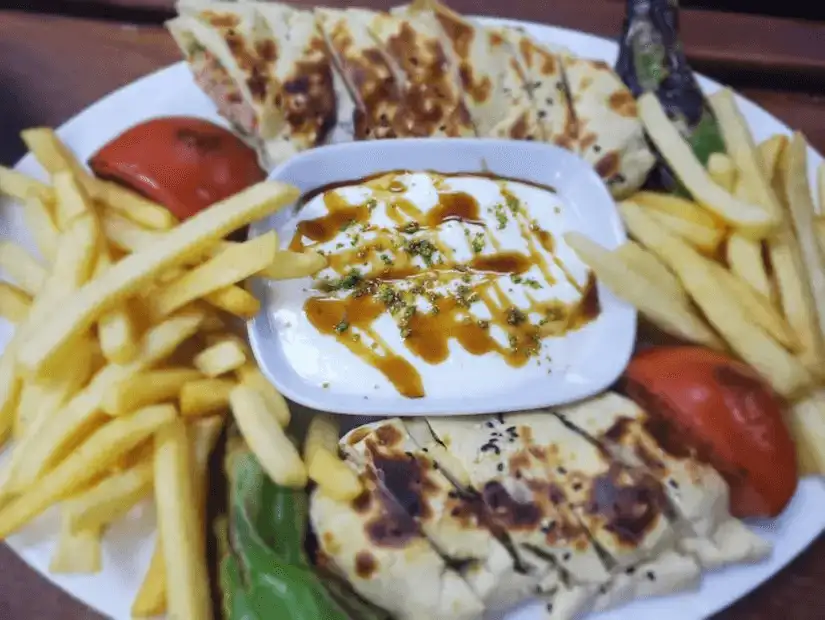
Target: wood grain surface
[52,67]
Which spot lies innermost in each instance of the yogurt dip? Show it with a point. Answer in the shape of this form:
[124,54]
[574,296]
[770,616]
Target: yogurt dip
[437,285]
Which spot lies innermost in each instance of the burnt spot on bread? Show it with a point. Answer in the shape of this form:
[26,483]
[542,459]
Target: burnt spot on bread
[221,20]
[623,103]
[392,526]
[510,513]
[365,564]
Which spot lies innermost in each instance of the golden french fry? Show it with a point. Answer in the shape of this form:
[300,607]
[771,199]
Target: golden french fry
[53,155]
[125,278]
[793,166]
[110,499]
[212,322]
[750,219]
[287,265]
[806,422]
[151,598]
[22,268]
[203,397]
[99,452]
[134,206]
[687,219]
[72,200]
[322,434]
[744,258]
[235,300]
[759,308]
[77,552]
[649,266]
[125,234]
[20,186]
[10,388]
[14,303]
[719,305]
[232,265]
[116,329]
[83,412]
[187,590]
[671,315]
[820,181]
[251,376]
[220,358]
[39,221]
[146,388]
[722,171]
[333,476]
[769,151]
[742,150]
[706,240]
[263,434]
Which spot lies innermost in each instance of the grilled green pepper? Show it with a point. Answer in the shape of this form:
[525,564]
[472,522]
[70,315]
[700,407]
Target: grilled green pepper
[651,59]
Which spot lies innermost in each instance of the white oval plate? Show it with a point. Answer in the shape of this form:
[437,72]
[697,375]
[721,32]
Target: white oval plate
[128,544]
[584,362]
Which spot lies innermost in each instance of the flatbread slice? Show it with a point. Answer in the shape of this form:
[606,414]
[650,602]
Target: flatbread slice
[610,134]
[432,95]
[365,69]
[541,67]
[496,93]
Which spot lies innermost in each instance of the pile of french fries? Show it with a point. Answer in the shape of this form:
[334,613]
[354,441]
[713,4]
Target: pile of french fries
[125,362]
[738,268]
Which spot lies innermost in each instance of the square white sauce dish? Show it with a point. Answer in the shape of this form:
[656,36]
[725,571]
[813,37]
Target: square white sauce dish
[449,288]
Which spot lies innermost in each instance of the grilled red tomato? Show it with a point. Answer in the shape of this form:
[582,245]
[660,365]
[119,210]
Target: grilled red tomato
[729,414]
[183,163]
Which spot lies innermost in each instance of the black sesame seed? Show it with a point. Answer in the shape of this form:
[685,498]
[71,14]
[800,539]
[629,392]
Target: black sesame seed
[500,467]
[518,474]
[649,574]
[562,471]
[452,495]
[424,450]
[409,454]
[631,570]
[566,557]
[490,425]
[435,465]
[602,589]
[577,486]
[596,148]
[673,483]
[549,101]
[542,113]
[549,605]
[500,417]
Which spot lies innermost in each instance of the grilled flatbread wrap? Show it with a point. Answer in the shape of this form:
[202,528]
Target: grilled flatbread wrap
[432,95]
[696,491]
[366,71]
[456,525]
[379,549]
[496,93]
[541,67]
[610,134]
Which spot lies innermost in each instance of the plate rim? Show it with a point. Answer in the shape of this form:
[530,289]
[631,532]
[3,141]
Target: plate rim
[142,85]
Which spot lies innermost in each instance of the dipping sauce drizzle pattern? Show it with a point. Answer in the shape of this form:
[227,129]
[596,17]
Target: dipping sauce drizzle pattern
[434,292]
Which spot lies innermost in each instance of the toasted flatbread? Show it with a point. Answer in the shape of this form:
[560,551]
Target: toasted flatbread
[304,77]
[495,90]
[366,71]
[610,134]
[432,95]
[542,70]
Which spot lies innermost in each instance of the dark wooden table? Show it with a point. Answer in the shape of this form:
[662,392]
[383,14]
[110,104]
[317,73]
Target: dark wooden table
[51,67]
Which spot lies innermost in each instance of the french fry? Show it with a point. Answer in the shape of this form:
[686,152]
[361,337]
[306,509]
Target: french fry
[20,186]
[125,234]
[132,205]
[263,434]
[687,219]
[671,315]
[116,329]
[781,369]
[287,265]
[93,457]
[39,221]
[83,412]
[220,358]
[794,178]
[820,182]
[22,268]
[744,258]
[110,499]
[14,303]
[750,219]
[234,264]
[806,422]
[72,200]
[704,239]
[333,476]
[203,397]
[758,307]
[251,376]
[769,151]
[77,552]
[146,388]
[188,593]
[235,300]
[151,597]
[54,156]
[125,278]
[322,434]
[722,170]
[742,151]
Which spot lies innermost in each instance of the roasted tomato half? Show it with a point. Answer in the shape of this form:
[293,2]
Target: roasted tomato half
[730,416]
[183,163]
